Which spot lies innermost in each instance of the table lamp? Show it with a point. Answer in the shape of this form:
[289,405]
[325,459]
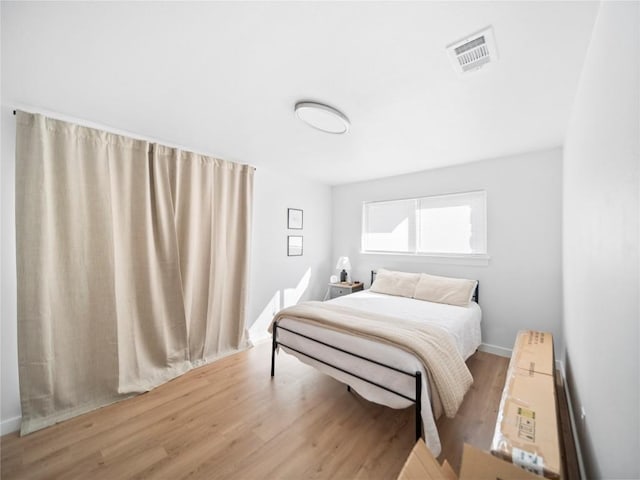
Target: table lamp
[343,264]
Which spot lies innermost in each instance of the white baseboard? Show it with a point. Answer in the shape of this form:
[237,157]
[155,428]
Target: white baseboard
[572,419]
[259,341]
[10,425]
[496,350]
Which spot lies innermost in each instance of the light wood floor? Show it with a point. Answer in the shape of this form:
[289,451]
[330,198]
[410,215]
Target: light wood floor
[231,420]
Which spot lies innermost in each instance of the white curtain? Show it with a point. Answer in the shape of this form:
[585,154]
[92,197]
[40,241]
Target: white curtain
[132,265]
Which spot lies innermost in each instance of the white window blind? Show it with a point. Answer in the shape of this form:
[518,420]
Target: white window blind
[444,224]
[389,227]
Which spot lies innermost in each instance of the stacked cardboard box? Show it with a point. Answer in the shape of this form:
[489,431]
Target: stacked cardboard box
[476,465]
[526,434]
[527,427]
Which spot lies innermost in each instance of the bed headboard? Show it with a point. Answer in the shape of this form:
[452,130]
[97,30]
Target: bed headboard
[474,297]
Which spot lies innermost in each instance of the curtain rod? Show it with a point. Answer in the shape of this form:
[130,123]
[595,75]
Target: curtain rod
[180,148]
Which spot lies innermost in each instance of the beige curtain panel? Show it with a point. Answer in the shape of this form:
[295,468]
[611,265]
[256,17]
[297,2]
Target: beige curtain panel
[132,264]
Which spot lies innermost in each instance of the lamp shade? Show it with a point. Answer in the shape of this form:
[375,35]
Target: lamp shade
[343,264]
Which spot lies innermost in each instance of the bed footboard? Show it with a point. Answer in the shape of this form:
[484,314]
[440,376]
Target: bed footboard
[417,375]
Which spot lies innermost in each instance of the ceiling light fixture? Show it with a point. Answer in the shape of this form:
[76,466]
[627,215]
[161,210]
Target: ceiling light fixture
[322,117]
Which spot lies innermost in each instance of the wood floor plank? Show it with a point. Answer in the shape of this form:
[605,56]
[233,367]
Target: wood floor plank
[231,420]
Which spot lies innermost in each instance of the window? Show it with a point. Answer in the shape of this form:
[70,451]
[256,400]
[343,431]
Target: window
[440,225]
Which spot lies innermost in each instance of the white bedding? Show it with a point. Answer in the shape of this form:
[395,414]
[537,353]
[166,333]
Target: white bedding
[463,323]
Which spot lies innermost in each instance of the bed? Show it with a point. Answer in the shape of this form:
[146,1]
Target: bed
[378,371]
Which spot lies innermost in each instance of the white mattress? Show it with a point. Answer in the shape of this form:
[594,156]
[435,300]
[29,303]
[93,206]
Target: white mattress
[463,323]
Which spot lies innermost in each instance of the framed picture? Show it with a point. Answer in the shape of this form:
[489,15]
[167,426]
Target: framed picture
[294,218]
[294,245]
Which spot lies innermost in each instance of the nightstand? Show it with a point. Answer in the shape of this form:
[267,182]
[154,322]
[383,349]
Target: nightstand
[343,288]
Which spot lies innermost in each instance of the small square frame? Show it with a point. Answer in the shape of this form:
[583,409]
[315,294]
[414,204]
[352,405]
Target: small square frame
[294,245]
[294,218]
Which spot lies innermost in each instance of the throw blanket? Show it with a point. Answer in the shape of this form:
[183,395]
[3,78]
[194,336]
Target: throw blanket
[433,346]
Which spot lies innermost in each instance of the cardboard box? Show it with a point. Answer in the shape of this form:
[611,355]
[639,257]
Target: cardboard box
[476,465]
[479,465]
[533,351]
[526,431]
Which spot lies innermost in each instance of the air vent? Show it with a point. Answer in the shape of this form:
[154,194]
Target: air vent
[473,52]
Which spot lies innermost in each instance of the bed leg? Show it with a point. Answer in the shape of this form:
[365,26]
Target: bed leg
[418,405]
[274,345]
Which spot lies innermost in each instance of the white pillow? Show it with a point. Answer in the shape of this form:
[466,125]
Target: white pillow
[401,284]
[452,291]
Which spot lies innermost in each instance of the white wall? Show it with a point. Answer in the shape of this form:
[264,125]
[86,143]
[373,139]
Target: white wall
[521,286]
[277,280]
[601,246]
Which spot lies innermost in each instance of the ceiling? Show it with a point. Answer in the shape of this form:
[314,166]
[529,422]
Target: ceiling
[222,78]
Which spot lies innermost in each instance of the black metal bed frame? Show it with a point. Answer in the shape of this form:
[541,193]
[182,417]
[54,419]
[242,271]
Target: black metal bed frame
[416,375]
